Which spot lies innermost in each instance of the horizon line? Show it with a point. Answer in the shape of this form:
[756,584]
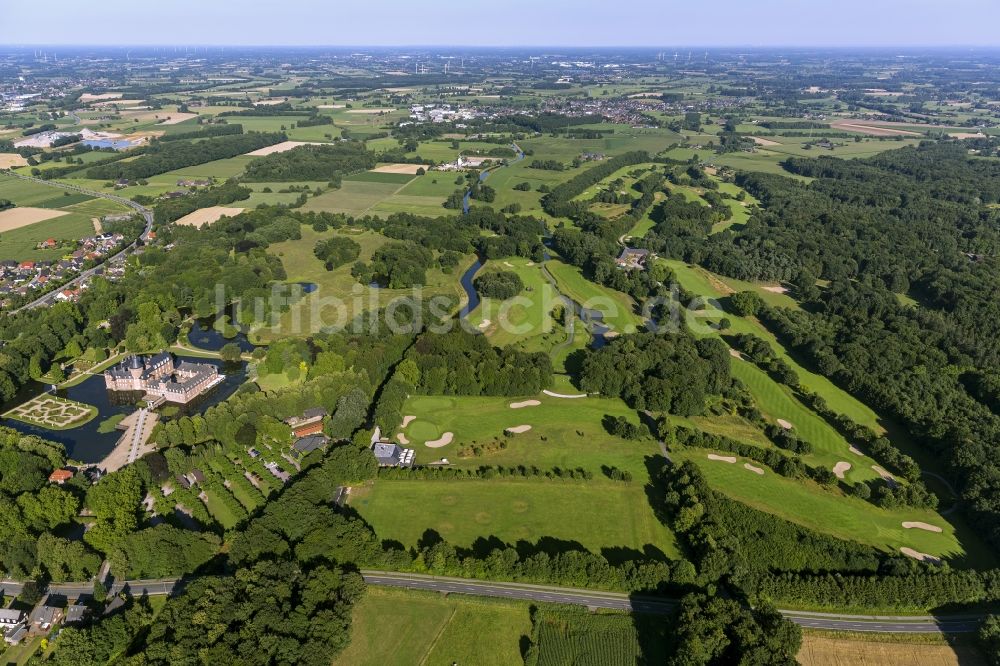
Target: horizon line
[814,47]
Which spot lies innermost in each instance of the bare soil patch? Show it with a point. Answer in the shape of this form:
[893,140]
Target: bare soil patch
[841,468]
[726,459]
[400,168]
[208,215]
[525,403]
[517,430]
[822,650]
[15,218]
[281,147]
[444,440]
[917,525]
[775,289]
[370,110]
[11,160]
[764,142]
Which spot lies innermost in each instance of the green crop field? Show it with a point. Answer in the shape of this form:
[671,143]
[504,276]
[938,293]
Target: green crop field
[595,515]
[380,177]
[428,628]
[354,197]
[603,639]
[19,244]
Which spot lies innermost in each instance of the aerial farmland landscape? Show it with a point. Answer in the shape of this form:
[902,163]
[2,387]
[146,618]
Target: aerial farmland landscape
[580,335]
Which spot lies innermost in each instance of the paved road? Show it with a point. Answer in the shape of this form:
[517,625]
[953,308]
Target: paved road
[87,274]
[611,600]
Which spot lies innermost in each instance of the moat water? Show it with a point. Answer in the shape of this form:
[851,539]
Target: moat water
[86,443]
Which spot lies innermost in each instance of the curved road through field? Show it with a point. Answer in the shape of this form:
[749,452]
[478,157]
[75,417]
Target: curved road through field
[147,215]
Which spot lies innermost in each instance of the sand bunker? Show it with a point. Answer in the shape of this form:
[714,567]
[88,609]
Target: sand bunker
[855,450]
[175,118]
[564,395]
[208,215]
[282,147]
[923,557]
[784,424]
[727,459]
[886,476]
[735,354]
[370,110]
[765,142]
[508,264]
[525,403]
[484,324]
[400,168]
[444,440]
[776,289]
[753,468]
[517,430]
[408,419]
[917,525]
[402,438]
[15,218]
[841,468]
[11,160]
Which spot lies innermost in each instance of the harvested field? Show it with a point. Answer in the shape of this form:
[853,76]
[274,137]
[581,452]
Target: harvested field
[282,147]
[11,160]
[331,106]
[525,403]
[89,97]
[874,130]
[517,430]
[372,111]
[208,215]
[753,468]
[15,218]
[725,459]
[175,118]
[764,142]
[917,525]
[400,168]
[841,468]
[444,440]
[966,135]
[822,650]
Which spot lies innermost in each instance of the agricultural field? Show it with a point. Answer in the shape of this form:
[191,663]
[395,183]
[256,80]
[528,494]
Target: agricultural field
[601,639]
[432,629]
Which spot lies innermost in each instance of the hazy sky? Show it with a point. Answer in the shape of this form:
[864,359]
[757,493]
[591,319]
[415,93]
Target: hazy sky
[504,22]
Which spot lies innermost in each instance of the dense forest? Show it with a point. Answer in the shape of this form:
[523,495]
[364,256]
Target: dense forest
[323,163]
